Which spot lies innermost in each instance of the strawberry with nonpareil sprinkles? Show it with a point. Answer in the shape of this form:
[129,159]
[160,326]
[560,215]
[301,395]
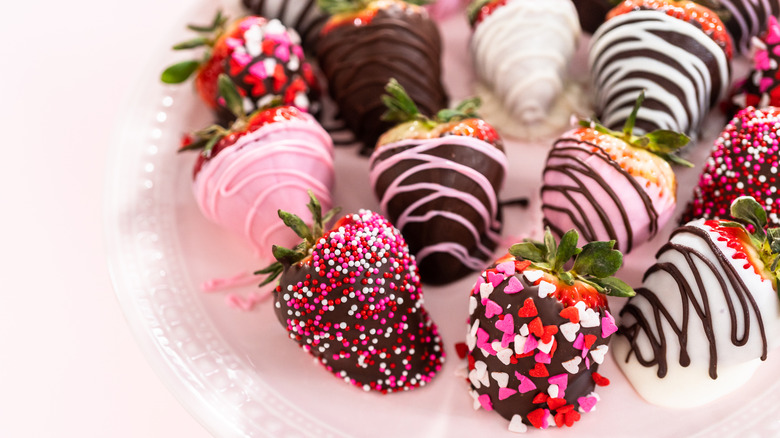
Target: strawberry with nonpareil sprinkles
[743,162]
[262,57]
[707,313]
[612,185]
[537,333]
[265,161]
[351,297]
[367,42]
[438,179]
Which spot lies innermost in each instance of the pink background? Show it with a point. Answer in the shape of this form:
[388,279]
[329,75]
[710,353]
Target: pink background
[69,365]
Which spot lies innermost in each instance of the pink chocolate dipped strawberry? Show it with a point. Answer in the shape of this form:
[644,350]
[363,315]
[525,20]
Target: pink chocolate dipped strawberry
[262,57]
[351,297]
[707,313]
[743,162]
[437,179]
[611,185]
[537,332]
[264,162]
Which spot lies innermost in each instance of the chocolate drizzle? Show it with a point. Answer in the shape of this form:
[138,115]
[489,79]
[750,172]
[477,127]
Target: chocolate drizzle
[400,42]
[302,15]
[730,285]
[442,194]
[568,162]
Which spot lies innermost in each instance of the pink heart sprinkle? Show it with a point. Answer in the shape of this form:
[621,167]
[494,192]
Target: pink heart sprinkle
[562,380]
[530,344]
[514,286]
[506,325]
[506,339]
[480,282]
[484,400]
[495,278]
[608,326]
[507,268]
[587,403]
[525,384]
[505,393]
[491,308]
[542,357]
[483,339]
[579,343]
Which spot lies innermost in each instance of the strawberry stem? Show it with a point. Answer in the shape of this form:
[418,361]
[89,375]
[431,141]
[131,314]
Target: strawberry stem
[180,72]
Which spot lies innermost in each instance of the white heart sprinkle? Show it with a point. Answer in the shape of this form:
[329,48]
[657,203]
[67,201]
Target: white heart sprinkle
[485,290]
[545,348]
[520,343]
[598,353]
[573,365]
[475,395]
[496,345]
[472,304]
[474,328]
[471,341]
[524,330]
[552,390]
[516,425]
[589,318]
[481,369]
[532,275]
[569,331]
[474,379]
[462,372]
[545,289]
[505,355]
[501,378]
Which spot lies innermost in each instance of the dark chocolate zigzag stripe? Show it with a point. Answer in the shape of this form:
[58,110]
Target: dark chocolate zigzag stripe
[695,311]
[748,19]
[684,72]
[358,61]
[568,157]
[302,15]
[442,194]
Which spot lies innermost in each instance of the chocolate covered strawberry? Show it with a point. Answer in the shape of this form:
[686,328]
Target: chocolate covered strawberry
[744,161]
[265,161]
[437,180]
[521,51]
[263,58]
[761,87]
[747,19]
[708,311]
[538,332]
[351,297]
[302,15]
[611,185]
[678,52]
[363,45]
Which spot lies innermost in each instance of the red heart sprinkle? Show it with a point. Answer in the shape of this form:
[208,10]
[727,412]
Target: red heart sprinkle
[461,349]
[539,370]
[540,398]
[589,340]
[559,419]
[565,409]
[599,380]
[530,353]
[536,327]
[520,266]
[555,403]
[536,417]
[571,313]
[549,331]
[572,417]
[528,310]
[471,362]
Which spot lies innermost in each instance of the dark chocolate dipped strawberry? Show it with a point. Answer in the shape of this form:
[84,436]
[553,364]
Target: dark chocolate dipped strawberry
[363,45]
[592,13]
[263,58]
[761,87]
[707,313]
[746,19]
[744,161]
[538,332]
[679,52]
[265,161]
[351,297]
[437,180]
[302,15]
[612,185]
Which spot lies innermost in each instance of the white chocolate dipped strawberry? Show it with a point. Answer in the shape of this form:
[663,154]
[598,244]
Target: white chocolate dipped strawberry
[708,311]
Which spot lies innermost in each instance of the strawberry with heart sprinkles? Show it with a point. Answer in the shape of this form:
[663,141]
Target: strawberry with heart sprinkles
[537,333]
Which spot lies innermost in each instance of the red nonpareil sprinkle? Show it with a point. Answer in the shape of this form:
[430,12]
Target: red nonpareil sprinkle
[461,349]
[600,380]
[529,309]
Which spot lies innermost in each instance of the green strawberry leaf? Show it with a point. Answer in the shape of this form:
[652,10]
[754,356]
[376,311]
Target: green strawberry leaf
[527,251]
[628,127]
[567,248]
[614,287]
[472,10]
[748,210]
[598,259]
[179,72]
[773,238]
[315,208]
[193,43]
[286,256]
[210,145]
[663,141]
[274,269]
[296,224]
[233,100]
[400,107]
[567,277]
